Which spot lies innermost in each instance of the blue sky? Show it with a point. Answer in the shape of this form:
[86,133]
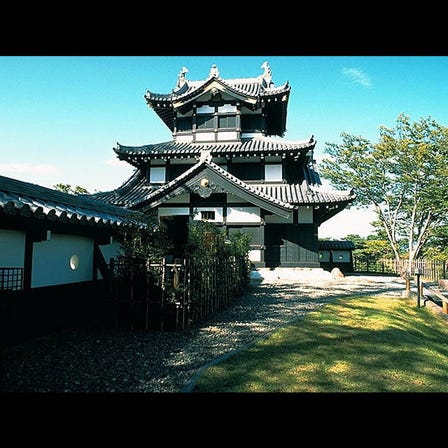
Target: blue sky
[60,116]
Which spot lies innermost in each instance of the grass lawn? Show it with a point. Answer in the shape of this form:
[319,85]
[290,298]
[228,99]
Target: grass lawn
[358,344]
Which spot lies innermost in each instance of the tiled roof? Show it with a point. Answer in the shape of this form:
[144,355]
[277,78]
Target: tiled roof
[31,200]
[132,192]
[206,162]
[336,245]
[303,193]
[258,91]
[256,146]
[252,87]
[138,190]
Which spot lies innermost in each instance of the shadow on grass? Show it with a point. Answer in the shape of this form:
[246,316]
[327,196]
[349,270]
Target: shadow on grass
[399,350]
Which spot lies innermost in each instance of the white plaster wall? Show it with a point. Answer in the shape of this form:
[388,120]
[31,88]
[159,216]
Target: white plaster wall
[218,213]
[51,260]
[305,215]
[205,136]
[255,255]
[227,135]
[227,108]
[243,214]
[184,138]
[12,248]
[205,110]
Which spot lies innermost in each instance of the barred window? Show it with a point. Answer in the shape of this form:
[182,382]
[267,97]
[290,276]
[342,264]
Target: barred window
[205,122]
[227,121]
[11,279]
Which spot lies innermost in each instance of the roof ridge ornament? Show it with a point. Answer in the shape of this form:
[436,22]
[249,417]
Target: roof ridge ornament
[181,78]
[267,74]
[205,155]
[214,72]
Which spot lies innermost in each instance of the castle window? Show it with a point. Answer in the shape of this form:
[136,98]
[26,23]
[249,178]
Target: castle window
[227,121]
[273,172]
[208,215]
[252,123]
[205,122]
[227,108]
[184,124]
[157,174]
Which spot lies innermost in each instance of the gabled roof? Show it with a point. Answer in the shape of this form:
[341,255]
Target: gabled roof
[258,91]
[249,88]
[261,146]
[138,193]
[34,201]
[218,180]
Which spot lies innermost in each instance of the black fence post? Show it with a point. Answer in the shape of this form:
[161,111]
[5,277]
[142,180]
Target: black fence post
[417,274]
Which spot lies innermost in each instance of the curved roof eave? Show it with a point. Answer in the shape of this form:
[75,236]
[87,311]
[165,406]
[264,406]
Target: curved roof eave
[252,93]
[35,201]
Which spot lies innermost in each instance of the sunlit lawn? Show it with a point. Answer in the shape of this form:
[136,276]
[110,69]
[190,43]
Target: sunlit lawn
[361,344]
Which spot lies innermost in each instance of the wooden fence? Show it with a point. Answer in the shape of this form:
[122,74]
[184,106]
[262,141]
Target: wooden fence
[174,295]
[432,270]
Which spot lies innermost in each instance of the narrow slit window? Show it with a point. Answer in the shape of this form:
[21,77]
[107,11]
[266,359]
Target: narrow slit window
[208,215]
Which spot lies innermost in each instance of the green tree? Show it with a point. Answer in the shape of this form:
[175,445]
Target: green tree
[67,188]
[142,239]
[206,240]
[404,176]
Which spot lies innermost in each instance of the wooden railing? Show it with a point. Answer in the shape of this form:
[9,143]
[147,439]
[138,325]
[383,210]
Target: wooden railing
[432,270]
[435,294]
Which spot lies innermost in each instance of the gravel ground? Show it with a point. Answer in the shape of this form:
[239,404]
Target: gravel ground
[105,360]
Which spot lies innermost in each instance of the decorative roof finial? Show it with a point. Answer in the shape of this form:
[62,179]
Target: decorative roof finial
[181,80]
[214,72]
[267,74]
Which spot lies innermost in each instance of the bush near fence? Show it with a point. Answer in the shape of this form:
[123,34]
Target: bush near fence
[171,296]
[431,270]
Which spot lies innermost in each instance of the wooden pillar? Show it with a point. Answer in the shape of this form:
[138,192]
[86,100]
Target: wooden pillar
[28,261]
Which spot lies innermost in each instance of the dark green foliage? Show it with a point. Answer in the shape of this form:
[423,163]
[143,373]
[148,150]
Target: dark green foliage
[404,177]
[67,188]
[206,240]
[143,239]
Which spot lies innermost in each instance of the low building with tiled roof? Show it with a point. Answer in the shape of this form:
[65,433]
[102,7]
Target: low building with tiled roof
[49,237]
[229,164]
[55,250]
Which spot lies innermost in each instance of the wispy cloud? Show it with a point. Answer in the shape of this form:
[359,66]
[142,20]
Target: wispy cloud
[17,169]
[116,163]
[357,76]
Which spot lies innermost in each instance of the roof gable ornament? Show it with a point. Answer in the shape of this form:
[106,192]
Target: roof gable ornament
[181,78]
[214,72]
[267,74]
